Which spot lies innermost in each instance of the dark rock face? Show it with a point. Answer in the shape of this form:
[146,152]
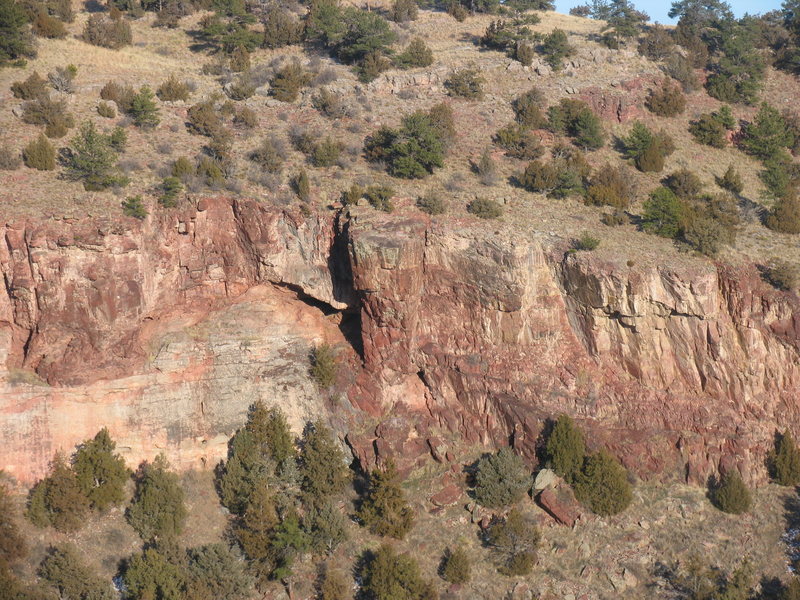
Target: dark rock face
[676,370]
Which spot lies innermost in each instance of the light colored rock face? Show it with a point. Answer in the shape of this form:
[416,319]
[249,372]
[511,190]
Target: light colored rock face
[166,331]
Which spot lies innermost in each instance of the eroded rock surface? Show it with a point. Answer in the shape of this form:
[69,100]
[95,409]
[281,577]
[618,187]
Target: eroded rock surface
[680,370]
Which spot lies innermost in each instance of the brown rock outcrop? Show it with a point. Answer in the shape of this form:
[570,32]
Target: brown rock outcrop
[676,369]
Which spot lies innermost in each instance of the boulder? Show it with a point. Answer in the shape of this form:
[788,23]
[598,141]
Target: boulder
[561,505]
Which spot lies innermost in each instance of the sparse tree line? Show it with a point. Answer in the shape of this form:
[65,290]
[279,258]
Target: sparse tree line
[288,498]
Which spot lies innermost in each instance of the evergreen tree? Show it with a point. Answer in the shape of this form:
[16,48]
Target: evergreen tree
[254,530]
[565,448]
[603,484]
[325,526]
[101,473]
[144,110]
[384,510]
[58,499]
[157,509]
[92,158]
[623,20]
[322,464]
[731,181]
[785,461]
[64,569]
[287,542]
[391,576]
[732,495]
[215,572]
[501,479]
[156,573]
[663,213]
[16,40]
[767,136]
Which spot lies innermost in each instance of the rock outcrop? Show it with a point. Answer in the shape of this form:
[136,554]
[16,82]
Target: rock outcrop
[167,330]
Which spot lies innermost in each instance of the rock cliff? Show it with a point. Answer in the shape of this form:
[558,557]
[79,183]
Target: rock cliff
[167,330]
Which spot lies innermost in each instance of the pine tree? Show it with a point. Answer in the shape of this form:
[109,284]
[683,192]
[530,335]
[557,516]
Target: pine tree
[144,109]
[767,136]
[565,448]
[92,158]
[785,461]
[603,484]
[64,569]
[254,530]
[157,572]
[215,572]
[15,39]
[384,510]
[501,479]
[325,525]
[732,495]
[157,509]
[322,464]
[101,473]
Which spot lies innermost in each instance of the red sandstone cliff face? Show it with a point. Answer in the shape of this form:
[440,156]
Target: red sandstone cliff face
[680,370]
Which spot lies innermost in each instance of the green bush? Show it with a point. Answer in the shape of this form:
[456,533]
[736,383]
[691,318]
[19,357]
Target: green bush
[203,119]
[501,479]
[387,575]
[486,169]
[106,110]
[456,567]
[413,151]
[663,213]
[514,540]
[326,153]
[731,181]
[384,510]
[431,204]
[53,114]
[519,142]
[647,149]
[560,178]
[372,65]
[118,139]
[170,188]
[173,89]
[416,54]
[47,26]
[586,242]
[214,571]
[33,87]
[281,28]
[610,186]
[288,81]
[133,206]
[602,484]
[564,449]
[302,185]
[352,195]
[785,214]
[121,95]
[528,109]
[158,572]
[556,48]
[15,41]
[380,197]
[731,494]
[575,119]
[681,70]
[40,154]
[784,462]
[709,131]
[324,366]
[403,11]
[685,184]
[484,208]
[465,83]
[107,33]
[157,509]
[666,101]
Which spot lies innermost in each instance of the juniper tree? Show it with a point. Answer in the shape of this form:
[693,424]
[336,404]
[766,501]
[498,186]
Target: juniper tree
[384,509]
[501,479]
[158,508]
[58,500]
[101,473]
[602,484]
[731,494]
[322,464]
[565,448]
[785,460]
